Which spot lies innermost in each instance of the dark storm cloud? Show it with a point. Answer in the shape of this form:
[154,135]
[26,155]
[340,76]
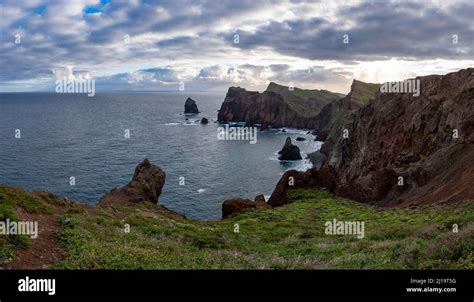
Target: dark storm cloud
[190,32]
[377,31]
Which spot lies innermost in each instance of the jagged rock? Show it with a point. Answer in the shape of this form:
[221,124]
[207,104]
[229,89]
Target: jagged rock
[293,179]
[146,185]
[276,107]
[332,116]
[260,198]
[406,157]
[289,151]
[239,205]
[190,106]
[398,134]
[204,121]
[300,139]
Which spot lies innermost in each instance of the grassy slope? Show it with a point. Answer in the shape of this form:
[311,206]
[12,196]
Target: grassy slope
[287,237]
[363,92]
[307,102]
[10,199]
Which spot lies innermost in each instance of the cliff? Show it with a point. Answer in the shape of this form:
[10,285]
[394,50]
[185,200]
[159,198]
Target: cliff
[402,150]
[333,115]
[277,106]
[428,140]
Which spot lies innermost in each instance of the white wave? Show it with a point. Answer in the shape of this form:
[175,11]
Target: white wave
[191,122]
[171,124]
[301,132]
[201,190]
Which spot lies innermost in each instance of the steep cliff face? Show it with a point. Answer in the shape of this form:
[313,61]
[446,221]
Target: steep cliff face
[408,150]
[278,106]
[333,115]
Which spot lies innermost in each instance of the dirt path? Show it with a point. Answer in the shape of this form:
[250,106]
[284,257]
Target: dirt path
[45,249]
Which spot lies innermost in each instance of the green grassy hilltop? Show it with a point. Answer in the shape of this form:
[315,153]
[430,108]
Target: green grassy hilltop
[290,237]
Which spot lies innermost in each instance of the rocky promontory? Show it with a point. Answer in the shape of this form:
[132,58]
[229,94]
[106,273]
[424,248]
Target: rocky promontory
[278,106]
[333,115]
[403,150]
[146,185]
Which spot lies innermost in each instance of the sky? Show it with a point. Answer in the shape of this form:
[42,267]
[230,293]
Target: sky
[210,45]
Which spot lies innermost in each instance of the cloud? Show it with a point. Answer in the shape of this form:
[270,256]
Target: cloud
[145,43]
[380,31]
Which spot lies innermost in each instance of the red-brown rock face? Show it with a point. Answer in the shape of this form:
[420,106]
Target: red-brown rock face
[332,116]
[240,205]
[146,185]
[427,140]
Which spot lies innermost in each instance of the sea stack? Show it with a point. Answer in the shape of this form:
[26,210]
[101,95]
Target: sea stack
[289,151]
[204,121]
[190,106]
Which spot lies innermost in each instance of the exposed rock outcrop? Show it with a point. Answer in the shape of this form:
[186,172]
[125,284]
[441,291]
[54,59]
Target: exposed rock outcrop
[427,140]
[332,116]
[240,205]
[260,198]
[278,106]
[293,179]
[402,150]
[289,151]
[190,106]
[146,185]
[204,121]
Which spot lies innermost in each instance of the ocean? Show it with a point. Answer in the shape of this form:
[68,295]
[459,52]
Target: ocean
[73,135]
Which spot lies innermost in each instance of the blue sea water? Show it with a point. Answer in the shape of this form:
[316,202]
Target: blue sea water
[64,135]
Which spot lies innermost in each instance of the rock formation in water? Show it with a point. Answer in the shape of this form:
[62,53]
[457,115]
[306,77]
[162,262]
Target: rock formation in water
[277,106]
[146,185]
[402,150]
[204,121]
[289,151]
[190,106]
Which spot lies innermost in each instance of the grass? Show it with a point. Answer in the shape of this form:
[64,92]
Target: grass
[363,92]
[11,199]
[289,237]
